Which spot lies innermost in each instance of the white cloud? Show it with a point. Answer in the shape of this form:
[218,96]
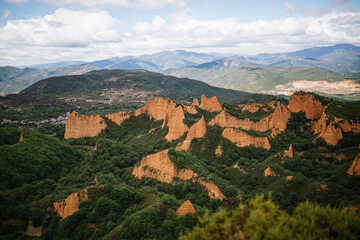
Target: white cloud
[6,14]
[63,28]
[144,4]
[81,35]
[17,1]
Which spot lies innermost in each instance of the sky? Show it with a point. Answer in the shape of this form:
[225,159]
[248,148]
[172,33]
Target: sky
[44,31]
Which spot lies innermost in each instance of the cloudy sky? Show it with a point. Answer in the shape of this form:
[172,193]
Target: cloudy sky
[42,31]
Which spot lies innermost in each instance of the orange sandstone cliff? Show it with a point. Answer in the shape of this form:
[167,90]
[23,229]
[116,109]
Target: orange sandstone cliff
[355,166]
[71,204]
[160,167]
[269,172]
[210,104]
[185,208]
[119,117]
[192,108]
[197,130]
[277,119]
[165,109]
[289,153]
[243,139]
[307,103]
[78,126]
[327,130]
[348,125]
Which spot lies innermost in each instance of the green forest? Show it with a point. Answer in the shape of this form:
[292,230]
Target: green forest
[319,201]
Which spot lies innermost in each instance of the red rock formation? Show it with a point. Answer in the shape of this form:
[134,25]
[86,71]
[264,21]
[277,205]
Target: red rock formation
[71,204]
[210,104]
[32,231]
[165,109]
[257,106]
[329,132]
[21,138]
[185,208]
[190,109]
[79,126]
[348,126]
[195,102]
[355,167]
[269,172]
[253,107]
[240,168]
[218,151]
[197,130]
[289,178]
[160,167]
[119,117]
[277,119]
[307,103]
[289,153]
[243,139]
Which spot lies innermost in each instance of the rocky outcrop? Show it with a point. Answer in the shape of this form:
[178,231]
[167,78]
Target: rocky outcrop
[239,168]
[348,125]
[218,151]
[192,108]
[307,103]
[71,204]
[355,167]
[243,139]
[289,178]
[277,119]
[165,109]
[210,104]
[160,167]
[21,138]
[289,153]
[119,117]
[32,231]
[79,126]
[197,130]
[269,172]
[185,208]
[195,102]
[257,106]
[328,131]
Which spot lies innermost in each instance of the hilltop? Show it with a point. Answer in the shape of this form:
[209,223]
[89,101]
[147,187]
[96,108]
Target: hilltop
[135,87]
[13,79]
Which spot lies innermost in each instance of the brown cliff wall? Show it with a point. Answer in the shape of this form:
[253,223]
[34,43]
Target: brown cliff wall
[289,153]
[185,208]
[197,130]
[355,167]
[348,125]
[328,131]
[277,119]
[243,139]
[269,172]
[210,104]
[165,109]
[119,117]
[79,126]
[160,167]
[307,103]
[71,204]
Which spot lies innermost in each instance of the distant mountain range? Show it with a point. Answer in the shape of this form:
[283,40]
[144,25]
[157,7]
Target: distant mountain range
[314,64]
